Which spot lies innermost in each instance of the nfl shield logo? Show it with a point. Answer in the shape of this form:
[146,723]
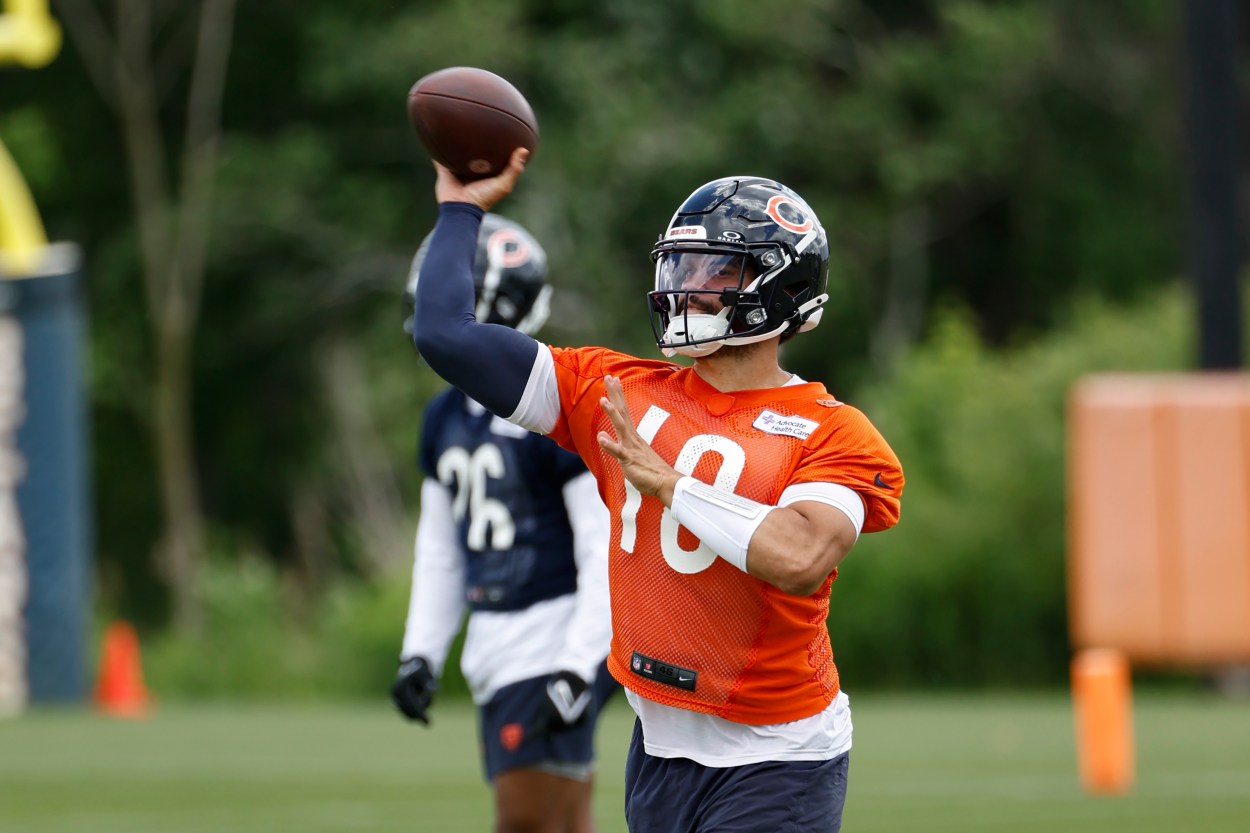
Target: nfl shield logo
[637,663]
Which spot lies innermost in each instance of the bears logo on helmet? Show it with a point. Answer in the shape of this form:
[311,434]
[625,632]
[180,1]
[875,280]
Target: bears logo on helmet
[509,277]
[744,259]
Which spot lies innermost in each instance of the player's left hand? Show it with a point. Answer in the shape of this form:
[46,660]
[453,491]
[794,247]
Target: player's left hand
[414,688]
[567,704]
[642,467]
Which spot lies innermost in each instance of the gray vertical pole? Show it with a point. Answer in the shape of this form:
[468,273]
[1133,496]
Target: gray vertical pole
[53,497]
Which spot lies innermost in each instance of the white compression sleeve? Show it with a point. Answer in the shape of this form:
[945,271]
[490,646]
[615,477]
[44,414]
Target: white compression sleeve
[722,520]
[436,605]
[590,628]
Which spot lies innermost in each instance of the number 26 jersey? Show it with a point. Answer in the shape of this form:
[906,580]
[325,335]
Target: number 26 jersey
[511,521]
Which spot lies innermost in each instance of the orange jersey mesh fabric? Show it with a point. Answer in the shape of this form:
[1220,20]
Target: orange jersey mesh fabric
[760,655]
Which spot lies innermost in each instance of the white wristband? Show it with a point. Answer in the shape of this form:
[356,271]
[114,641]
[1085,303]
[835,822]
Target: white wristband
[722,520]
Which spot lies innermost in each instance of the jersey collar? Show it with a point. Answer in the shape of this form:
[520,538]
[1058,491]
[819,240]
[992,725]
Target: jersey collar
[719,404]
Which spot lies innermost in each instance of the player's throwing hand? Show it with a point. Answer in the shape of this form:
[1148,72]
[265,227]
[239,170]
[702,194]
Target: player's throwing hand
[484,193]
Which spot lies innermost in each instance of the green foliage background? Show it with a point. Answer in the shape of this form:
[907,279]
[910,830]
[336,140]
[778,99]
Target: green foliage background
[1000,181]
[970,588]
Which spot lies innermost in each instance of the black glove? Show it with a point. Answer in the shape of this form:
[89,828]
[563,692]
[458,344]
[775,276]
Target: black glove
[414,688]
[567,704]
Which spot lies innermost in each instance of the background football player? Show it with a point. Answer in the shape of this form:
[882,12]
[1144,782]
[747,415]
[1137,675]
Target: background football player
[512,528]
[735,489]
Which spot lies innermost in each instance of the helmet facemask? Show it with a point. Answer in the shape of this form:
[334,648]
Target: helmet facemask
[702,298]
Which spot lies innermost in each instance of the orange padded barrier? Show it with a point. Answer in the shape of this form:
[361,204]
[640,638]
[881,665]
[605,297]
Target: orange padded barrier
[1159,516]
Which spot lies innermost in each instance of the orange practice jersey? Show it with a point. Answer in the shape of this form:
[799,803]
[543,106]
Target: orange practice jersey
[690,629]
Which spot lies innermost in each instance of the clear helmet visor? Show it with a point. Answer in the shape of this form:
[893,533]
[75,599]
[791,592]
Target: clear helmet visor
[698,271]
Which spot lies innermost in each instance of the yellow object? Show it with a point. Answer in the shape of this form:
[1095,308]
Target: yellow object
[22,237]
[1102,698]
[28,34]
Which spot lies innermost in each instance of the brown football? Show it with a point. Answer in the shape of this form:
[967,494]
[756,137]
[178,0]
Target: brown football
[471,120]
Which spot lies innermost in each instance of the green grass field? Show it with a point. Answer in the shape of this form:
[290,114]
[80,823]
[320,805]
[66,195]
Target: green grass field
[951,763]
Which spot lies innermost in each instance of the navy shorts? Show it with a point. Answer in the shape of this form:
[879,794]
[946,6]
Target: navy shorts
[677,795]
[511,739]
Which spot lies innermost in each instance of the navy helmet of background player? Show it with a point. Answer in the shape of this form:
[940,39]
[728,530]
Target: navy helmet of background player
[509,276]
[512,528]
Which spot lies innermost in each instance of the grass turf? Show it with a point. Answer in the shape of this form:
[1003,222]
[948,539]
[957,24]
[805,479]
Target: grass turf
[921,763]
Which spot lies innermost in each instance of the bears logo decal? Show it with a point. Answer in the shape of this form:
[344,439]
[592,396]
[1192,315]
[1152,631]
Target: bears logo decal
[788,214]
[511,735]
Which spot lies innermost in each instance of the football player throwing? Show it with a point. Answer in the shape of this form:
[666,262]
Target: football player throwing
[735,488]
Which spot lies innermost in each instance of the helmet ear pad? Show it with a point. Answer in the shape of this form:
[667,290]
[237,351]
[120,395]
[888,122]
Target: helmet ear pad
[788,296]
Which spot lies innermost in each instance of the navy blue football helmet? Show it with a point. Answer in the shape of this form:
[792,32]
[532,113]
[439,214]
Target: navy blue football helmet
[744,259]
[509,277]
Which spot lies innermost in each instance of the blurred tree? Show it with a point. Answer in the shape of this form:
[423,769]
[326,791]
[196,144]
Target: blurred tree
[136,67]
[1004,155]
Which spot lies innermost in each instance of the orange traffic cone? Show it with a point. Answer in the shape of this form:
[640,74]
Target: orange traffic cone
[120,690]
